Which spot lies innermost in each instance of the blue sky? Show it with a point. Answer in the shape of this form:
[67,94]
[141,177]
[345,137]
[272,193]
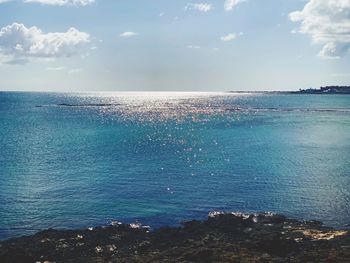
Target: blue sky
[161,45]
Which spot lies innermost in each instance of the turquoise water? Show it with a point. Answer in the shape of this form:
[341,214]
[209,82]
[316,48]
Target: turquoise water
[79,160]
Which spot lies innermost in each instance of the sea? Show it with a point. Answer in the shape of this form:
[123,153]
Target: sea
[77,160]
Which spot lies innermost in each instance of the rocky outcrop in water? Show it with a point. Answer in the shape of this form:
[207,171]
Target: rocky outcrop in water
[230,237]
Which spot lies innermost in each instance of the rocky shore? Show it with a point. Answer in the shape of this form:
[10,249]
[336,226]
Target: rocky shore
[223,237]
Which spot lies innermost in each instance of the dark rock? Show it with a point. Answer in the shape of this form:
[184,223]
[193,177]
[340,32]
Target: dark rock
[231,237]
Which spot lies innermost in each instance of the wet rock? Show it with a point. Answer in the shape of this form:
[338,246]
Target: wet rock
[223,237]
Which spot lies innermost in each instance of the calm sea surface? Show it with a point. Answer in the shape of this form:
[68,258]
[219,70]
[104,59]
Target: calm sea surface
[79,160]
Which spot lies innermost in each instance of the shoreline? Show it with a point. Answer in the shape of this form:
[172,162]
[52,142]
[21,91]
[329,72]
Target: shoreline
[222,237]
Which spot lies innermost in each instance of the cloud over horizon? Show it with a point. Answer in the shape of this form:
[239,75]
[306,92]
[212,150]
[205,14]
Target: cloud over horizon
[228,37]
[231,4]
[19,43]
[328,23]
[62,2]
[201,7]
[128,34]
[57,2]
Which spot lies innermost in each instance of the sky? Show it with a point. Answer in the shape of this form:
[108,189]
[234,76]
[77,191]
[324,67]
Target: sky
[179,45]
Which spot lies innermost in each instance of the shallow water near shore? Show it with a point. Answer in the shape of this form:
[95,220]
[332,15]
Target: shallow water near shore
[79,160]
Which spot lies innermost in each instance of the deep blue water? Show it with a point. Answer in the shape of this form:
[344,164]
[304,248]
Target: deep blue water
[79,160]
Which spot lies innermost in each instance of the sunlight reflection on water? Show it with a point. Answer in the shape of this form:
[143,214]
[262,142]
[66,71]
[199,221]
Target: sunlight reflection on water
[76,160]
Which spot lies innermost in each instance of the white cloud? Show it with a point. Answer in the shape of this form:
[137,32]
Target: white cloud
[228,37]
[201,7]
[328,23]
[55,68]
[4,1]
[231,4]
[62,2]
[19,43]
[69,71]
[128,34]
[193,47]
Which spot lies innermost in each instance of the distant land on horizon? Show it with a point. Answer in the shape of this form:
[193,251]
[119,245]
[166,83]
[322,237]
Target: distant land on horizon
[321,90]
[326,90]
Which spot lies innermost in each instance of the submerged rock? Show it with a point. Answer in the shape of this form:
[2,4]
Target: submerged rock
[223,237]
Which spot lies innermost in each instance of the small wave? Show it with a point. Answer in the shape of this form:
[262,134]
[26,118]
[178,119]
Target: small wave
[88,105]
[81,105]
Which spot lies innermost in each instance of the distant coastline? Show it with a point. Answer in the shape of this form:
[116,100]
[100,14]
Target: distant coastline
[342,90]
[325,90]
[322,90]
